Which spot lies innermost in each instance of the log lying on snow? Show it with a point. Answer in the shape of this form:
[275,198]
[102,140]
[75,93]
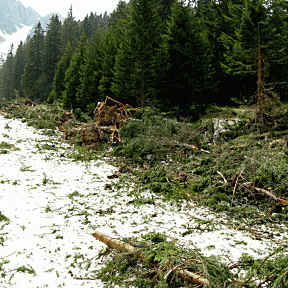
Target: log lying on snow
[124,247]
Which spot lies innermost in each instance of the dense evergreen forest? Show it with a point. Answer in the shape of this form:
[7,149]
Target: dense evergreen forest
[175,55]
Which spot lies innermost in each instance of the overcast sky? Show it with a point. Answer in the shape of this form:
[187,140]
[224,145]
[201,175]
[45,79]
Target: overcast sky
[80,7]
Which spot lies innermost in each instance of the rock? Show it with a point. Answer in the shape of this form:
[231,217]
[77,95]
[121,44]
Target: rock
[223,125]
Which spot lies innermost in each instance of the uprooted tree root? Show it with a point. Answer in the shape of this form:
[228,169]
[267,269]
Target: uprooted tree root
[109,117]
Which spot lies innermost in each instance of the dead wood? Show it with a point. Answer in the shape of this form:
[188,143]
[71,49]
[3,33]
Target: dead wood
[280,201]
[114,114]
[124,247]
[224,179]
[236,184]
[109,116]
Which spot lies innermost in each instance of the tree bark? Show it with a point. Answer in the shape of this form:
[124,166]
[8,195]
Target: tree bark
[259,114]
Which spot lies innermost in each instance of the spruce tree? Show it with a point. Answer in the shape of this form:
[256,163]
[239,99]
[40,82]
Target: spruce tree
[90,74]
[52,51]
[133,74]
[72,75]
[70,30]
[19,68]
[7,84]
[58,85]
[33,77]
[185,60]
[253,47]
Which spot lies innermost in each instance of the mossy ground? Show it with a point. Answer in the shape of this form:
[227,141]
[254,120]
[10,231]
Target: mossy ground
[187,161]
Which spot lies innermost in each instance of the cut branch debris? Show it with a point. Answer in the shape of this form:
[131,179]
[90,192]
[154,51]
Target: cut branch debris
[280,201]
[124,247]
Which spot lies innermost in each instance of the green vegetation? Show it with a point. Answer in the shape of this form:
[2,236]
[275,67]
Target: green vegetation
[6,147]
[3,221]
[191,161]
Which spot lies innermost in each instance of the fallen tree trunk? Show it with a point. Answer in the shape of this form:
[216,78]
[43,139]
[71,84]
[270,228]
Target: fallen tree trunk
[124,247]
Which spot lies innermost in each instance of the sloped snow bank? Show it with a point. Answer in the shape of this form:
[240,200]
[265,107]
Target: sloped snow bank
[55,204]
[15,38]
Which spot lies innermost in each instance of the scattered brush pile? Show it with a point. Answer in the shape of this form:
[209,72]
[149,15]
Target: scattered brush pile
[39,116]
[243,170]
[156,262]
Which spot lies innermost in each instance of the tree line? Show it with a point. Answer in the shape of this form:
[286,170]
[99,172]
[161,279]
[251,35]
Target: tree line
[176,55]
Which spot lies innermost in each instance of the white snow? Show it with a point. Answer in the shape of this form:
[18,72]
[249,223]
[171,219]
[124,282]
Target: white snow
[15,38]
[54,205]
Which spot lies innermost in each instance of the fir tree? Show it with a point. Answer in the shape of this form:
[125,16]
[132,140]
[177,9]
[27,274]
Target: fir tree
[185,72]
[90,74]
[58,85]
[19,68]
[32,77]
[53,49]
[133,74]
[7,84]
[70,30]
[72,75]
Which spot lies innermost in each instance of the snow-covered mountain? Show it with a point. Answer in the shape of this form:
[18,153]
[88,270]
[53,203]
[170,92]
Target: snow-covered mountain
[16,22]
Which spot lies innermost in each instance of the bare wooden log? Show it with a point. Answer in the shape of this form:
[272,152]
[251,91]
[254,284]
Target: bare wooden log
[124,247]
[115,244]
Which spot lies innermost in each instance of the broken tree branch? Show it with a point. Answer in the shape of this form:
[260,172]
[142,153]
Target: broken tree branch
[236,184]
[124,247]
[281,201]
[219,173]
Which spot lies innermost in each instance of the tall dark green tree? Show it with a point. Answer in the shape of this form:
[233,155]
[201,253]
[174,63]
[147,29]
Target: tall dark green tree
[185,71]
[52,51]
[90,74]
[133,74]
[19,68]
[58,85]
[70,30]
[32,81]
[113,37]
[254,46]
[72,75]
[7,81]
[277,46]
[218,18]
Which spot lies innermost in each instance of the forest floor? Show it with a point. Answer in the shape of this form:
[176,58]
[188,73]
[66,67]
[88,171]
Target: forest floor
[170,199]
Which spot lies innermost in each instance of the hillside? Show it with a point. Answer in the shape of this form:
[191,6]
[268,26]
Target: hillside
[13,14]
[16,23]
[207,196]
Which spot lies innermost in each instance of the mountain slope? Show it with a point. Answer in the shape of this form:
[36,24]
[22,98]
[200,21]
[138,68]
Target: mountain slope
[13,14]
[16,23]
